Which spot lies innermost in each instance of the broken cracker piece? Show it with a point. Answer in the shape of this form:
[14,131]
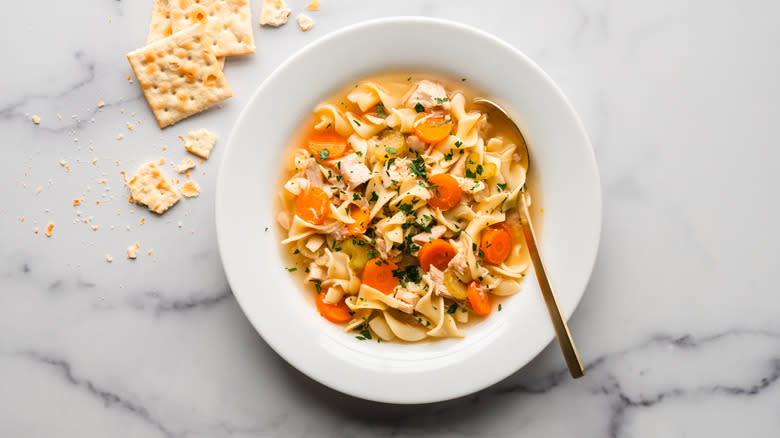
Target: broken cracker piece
[314,5]
[36,120]
[179,75]
[150,187]
[132,251]
[186,164]
[228,23]
[274,13]
[200,142]
[109,259]
[190,189]
[304,22]
[49,229]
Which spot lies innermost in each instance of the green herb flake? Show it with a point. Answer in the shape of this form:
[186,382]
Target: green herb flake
[452,308]
[499,307]
[291,269]
[441,100]
[380,110]
[355,122]
[324,154]
[419,107]
[392,151]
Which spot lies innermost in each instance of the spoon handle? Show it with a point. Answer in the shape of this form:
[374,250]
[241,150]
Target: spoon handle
[558,321]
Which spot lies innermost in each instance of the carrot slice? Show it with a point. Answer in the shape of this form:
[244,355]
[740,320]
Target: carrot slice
[361,220]
[335,313]
[433,127]
[313,205]
[445,191]
[437,252]
[478,298]
[378,273]
[496,244]
[326,144]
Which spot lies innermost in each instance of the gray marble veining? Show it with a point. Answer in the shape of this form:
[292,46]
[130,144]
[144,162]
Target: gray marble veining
[679,328]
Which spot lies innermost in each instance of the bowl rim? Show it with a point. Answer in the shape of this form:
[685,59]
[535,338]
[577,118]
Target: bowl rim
[280,69]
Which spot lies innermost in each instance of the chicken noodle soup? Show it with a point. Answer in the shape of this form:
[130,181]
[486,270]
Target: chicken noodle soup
[399,207]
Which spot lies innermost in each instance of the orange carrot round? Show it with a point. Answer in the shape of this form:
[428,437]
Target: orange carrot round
[437,252]
[478,298]
[445,191]
[313,205]
[496,244]
[326,144]
[335,313]
[361,220]
[432,128]
[378,273]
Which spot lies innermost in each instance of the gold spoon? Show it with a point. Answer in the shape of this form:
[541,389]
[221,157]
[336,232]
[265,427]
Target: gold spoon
[558,321]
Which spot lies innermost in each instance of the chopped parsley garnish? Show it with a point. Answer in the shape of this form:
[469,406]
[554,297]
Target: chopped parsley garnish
[458,144]
[441,100]
[409,274]
[499,307]
[408,79]
[297,251]
[406,208]
[291,269]
[501,187]
[356,122]
[374,197]
[481,253]
[448,156]
[266,228]
[365,333]
[317,285]
[463,79]
[324,154]
[355,197]
[372,253]
[419,107]
[392,151]
[417,167]
[452,308]
[380,110]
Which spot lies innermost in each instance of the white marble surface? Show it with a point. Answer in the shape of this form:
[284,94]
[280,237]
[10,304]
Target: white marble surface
[679,327]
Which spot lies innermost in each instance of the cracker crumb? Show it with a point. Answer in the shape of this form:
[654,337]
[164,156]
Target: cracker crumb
[190,189]
[36,120]
[165,148]
[149,252]
[274,13]
[122,110]
[109,259]
[21,219]
[102,181]
[186,164]
[120,136]
[49,229]
[132,251]
[35,230]
[77,202]
[130,127]
[200,142]
[94,161]
[314,5]
[59,116]
[38,190]
[180,224]
[94,227]
[304,22]
[62,163]
[101,104]
[143,221]
[162,160]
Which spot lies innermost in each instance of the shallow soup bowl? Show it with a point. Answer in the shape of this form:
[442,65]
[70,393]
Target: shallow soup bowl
[283,312]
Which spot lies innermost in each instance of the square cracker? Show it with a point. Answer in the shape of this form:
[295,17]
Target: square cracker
[228,21]
[150,187]
[179,75]
[160,26]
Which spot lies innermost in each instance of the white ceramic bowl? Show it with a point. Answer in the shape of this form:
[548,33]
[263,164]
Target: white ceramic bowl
[279,309]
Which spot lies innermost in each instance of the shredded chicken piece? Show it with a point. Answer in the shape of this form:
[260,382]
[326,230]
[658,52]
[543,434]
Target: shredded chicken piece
[354,171]
[398,170]
[460,265]
[317,272]
[435,279]
[313,174]
[408,298]
[429,94]
[436,232]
